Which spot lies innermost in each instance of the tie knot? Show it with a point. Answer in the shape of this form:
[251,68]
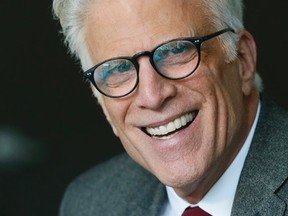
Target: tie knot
[195,211]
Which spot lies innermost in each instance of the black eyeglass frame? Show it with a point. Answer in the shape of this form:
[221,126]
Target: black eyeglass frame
[197,41]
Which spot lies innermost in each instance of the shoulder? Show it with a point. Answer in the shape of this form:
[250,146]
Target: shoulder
[263,182]
[112,173]
[116,182]
[272,112]
[269,146]
[273,123]
[118,166]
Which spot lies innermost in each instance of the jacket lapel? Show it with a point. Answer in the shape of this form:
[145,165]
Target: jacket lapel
[271,206]
[153,203]
[143,194]
[264,174]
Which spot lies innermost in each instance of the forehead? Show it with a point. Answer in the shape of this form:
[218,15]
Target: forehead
[117,27]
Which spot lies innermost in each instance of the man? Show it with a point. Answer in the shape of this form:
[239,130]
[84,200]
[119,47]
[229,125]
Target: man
[177,81]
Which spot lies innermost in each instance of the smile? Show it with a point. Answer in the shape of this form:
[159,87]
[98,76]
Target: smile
[172,127]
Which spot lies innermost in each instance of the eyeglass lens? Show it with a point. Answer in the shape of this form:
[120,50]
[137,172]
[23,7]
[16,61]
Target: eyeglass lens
[116,77]
[176,59]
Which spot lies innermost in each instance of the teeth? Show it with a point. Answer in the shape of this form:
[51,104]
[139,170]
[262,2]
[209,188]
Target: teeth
[171,126]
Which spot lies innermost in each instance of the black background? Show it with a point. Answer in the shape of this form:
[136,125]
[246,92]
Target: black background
[54,127]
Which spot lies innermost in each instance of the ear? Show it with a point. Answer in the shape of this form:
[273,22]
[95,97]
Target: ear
[247,56]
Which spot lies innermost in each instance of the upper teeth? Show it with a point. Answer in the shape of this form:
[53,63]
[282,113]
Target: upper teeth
[171,126]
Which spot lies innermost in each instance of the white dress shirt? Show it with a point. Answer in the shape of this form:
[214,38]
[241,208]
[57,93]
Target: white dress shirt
[219,199]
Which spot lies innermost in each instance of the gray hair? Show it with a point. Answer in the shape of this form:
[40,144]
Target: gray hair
[72,15]
[221,13]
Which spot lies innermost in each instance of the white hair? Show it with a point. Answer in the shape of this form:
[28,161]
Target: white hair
[221,13]
[72,14]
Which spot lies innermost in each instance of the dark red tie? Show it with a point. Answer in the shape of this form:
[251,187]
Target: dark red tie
[195,211]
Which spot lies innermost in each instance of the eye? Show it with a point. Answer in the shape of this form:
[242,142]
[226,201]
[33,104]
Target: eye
[123,67]
[179,48]
[115,74]
[112,68]
[173,49]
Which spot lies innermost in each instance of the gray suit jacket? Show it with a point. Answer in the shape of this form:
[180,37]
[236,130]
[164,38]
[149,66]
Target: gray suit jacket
[119,187]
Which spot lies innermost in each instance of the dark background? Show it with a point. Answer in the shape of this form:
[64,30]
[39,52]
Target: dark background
[51,128]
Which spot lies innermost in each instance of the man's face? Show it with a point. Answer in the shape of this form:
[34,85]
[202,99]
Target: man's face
[216,97]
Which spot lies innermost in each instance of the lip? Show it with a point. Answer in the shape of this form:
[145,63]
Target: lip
[171,127]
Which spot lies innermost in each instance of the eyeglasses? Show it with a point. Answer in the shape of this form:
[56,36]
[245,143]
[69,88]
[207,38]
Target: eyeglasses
[174,60]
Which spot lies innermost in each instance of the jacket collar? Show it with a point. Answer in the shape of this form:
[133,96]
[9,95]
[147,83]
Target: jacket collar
[265,170]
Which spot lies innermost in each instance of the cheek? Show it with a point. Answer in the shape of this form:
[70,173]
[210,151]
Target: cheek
[221,89]
[115,113]
[224,84]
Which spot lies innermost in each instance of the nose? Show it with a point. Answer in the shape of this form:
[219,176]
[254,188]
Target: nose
[153,90]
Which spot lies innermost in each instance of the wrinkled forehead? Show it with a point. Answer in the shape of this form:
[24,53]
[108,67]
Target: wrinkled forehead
[141,11]
[120,23]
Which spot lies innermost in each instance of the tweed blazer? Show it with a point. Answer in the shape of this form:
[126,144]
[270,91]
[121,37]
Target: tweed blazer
[120,187]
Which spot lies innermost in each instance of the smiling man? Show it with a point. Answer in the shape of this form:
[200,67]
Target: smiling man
[177,81]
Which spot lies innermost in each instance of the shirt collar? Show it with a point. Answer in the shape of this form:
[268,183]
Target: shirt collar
[219,199]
